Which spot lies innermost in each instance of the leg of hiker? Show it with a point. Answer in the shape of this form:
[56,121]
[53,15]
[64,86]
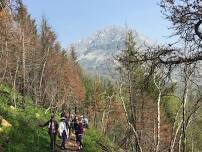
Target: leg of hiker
[64,138]
[63,143]
[51,142]
[77,140]
[54,141]
[80,140]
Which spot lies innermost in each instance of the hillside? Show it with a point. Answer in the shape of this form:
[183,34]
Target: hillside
[20,131]
[24,134]
[118,90]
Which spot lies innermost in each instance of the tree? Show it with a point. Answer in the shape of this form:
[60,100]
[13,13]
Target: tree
[32,61]
[186,18]
[2,4]
[73,54]
[126,58]
[28,40]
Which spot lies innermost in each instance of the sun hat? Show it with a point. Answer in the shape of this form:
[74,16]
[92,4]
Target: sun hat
[62,118]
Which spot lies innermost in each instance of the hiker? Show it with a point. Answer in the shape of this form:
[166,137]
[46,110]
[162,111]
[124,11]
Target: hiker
[63,131]
[63,114]
[84,121]
[78,127]
[71,124]
[52,131]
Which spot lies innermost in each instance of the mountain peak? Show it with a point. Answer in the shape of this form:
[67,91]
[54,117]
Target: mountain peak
[99,48]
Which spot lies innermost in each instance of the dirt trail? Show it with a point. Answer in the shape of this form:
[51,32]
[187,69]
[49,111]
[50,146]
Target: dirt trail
[71,145]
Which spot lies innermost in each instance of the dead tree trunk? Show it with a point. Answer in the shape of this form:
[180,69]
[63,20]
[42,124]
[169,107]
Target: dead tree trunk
[187,74]
[14,83]
[6,56]
[23,68]
[42,75]
[131,126]
[158,86]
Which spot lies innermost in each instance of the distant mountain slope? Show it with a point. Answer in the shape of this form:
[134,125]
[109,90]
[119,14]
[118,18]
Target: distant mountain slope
[96,53]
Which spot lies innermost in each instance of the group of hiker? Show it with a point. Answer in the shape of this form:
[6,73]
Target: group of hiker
[67,125]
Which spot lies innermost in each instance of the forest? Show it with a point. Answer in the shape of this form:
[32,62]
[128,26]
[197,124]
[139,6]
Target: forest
[154,105]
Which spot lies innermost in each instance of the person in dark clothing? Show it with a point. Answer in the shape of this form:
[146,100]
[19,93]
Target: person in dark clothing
[63,114]
[52,131]
[71,125]
[78,127]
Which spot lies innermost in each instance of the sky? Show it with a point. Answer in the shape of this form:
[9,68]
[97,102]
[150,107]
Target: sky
[74,20]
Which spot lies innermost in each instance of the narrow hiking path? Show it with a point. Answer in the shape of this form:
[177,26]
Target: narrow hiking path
[71,145]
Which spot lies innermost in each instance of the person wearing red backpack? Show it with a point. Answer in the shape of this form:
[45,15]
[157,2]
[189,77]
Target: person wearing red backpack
[52,131]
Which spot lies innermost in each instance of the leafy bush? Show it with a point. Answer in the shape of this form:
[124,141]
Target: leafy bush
[171,106]
[94,141]
[24,135]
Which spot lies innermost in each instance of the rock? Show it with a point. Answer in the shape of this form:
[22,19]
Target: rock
[5,123]
[13,108]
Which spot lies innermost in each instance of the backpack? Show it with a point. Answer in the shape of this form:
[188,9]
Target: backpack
[77,128]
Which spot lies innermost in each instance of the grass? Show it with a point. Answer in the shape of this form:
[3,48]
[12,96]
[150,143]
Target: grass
[24,135]
[92,140]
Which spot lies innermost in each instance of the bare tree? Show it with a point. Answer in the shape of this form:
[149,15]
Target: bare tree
[131,126]
[158,86]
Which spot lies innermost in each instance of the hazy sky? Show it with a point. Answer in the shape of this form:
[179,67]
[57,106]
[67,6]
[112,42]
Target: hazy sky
[77,19]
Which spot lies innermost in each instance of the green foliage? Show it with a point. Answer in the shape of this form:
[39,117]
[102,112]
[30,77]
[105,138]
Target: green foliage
[99,87]
[24,135]
[88,85]
[92,140]
[194,133]
[171,105]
